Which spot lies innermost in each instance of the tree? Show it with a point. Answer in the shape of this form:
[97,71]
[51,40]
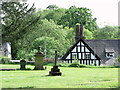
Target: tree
[70,35]
[51,29]
[14,1]
[54,14]
[17,22]
[52,7]
[52,33]
[49,42]
[107,32]
[117,34]
[88,34]
[76,15]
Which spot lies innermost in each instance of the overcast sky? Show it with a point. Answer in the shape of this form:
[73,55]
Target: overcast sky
[106,11]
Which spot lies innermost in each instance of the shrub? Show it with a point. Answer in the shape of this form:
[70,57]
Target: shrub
[63,64]
[74,64]
[82,65]
[30,57]
[4,60]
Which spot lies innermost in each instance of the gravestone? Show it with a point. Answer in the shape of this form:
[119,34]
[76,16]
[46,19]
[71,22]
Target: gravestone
[39,56]
[22,65]
[55,71]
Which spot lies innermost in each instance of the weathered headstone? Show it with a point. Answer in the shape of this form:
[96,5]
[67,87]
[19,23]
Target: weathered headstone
[39,56]
[55,71]
[22,65]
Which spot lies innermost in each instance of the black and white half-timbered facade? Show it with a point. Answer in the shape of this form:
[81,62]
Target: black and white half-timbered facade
[94,52]
[83,53]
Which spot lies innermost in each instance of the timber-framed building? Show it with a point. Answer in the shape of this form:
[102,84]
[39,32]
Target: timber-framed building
[94,52]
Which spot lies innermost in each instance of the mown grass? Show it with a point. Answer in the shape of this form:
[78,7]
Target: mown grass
[71,78]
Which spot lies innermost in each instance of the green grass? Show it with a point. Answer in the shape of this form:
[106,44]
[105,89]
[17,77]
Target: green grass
[71,78]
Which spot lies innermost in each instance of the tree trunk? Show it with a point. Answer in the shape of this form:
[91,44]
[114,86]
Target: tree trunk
[14,51]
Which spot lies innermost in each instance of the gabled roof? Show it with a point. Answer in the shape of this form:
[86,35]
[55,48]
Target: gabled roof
[99,46]
[67,53]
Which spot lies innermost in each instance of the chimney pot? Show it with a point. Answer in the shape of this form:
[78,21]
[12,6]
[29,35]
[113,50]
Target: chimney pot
[79,32]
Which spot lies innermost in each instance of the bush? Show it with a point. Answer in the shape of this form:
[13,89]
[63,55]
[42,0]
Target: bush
[48,62]
[74,64]
[82,65]
[4,60]
[63,64]
[30,57]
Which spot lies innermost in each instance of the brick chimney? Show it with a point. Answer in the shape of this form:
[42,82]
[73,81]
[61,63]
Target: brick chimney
[79,32]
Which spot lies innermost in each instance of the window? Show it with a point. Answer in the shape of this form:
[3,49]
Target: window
[74,55]
[87,56]
[110,54]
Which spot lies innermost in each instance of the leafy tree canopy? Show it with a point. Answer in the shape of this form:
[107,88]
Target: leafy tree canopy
[55,37]
[54,14]
[76,15]
[50,43]
[107,32]
[52,7]
[17,22]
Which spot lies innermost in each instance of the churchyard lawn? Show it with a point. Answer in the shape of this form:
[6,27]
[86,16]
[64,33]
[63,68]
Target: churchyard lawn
[71,78]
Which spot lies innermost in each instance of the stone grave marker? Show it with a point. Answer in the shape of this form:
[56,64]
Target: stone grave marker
[22,65]
[55,71]
[39,56]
